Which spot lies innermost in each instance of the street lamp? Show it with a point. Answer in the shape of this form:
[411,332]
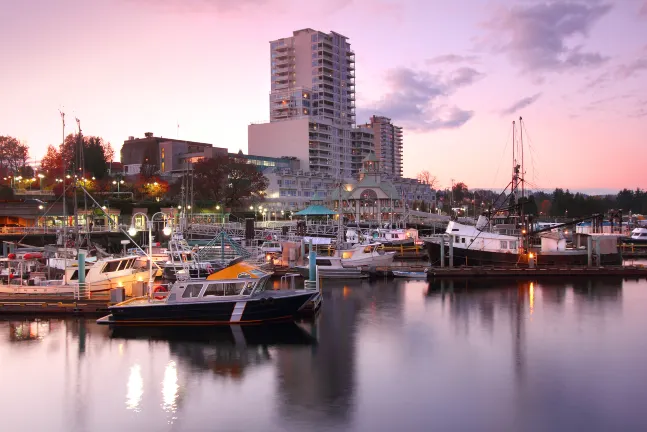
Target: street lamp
[149,224]
[116,182]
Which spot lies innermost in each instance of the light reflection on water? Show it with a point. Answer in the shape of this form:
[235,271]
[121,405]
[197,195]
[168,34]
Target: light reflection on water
[406,355]
[135,388]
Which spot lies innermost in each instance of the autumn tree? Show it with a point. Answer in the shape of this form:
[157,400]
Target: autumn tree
[51,165]
[425,177]
[13,155]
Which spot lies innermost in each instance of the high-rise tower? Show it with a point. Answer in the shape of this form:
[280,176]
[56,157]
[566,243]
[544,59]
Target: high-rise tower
[312,102]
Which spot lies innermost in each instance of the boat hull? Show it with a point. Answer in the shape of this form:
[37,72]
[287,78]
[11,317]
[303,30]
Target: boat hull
[410,275]
[333,273]
[472,257]
[267,307]
[373,260]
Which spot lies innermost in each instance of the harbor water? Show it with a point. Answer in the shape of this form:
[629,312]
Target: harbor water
[453,355]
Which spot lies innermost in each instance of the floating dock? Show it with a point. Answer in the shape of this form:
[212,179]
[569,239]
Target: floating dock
[487,271]
[29,304]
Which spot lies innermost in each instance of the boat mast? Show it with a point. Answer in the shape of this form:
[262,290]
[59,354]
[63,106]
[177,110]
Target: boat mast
[64,203]
[523,172]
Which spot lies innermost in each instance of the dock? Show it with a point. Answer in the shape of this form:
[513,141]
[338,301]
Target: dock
[59,305]
[492,271]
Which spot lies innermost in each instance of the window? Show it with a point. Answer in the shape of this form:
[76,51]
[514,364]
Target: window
[111,267]
[232,289]
[462,239]
[215,290]
[248,288]
[323,262]
[513,245]
[504,244]
[75,275]
[458,239]
[192,290]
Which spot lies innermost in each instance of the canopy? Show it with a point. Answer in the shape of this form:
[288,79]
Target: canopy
[315,210]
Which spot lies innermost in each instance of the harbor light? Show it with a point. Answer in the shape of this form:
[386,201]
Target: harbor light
[530,255]
[103,207]
[188,207]
[41,176]
[179,207]
[217,207]
[251,207]
[40,207]
[132,230]
[167,231]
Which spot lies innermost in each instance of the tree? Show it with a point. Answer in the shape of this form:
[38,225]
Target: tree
[96,155]
[459,192]
[13,155]
[52,164]
[227,180]
[244,181]
[425,177]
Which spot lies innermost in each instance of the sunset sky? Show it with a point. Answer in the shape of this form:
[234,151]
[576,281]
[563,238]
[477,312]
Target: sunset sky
[454,74]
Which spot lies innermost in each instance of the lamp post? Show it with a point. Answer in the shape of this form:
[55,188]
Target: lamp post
[149,223]
[118,183]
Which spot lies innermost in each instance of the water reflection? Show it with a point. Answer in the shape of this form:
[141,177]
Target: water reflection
[135,388]
[170,387]
[551,354]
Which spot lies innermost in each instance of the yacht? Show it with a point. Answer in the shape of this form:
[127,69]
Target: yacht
[237,294]
[100,276]
[637,236]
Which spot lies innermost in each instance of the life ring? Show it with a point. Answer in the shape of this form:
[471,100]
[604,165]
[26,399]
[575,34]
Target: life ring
[159,289]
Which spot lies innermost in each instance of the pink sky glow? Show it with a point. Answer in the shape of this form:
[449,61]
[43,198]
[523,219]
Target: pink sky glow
[454,74]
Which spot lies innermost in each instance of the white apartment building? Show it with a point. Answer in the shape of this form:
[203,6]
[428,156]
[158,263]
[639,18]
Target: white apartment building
[312,103]
[387,142]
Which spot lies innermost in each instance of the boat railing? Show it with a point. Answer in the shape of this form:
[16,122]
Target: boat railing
[288,280]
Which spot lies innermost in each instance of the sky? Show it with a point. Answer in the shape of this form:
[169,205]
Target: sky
[453,74]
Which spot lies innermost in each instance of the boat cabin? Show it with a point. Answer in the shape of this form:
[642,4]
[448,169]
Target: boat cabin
[639,234]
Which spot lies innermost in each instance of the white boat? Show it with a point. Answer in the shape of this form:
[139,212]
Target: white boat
[366,256]
[100,276]
[638,236]
[410,274]
[330,267]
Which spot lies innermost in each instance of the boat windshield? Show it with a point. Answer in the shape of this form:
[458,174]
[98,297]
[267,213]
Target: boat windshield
[261,285]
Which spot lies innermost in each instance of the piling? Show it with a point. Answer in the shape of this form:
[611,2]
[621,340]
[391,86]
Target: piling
[312,263]
[451,251]
[589,250]
[442,251]
[81,270]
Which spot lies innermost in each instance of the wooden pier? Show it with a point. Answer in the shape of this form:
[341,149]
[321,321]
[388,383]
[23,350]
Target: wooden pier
[67,305]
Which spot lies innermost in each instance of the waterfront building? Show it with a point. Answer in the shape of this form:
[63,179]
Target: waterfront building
[168,156]
[311,103]
[296,189]
[387,144]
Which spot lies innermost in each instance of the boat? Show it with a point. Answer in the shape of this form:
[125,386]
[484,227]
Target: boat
[369,255]
[237,294]
[410,274]
[100,276]
[637,236]
[509,242]
[330,267]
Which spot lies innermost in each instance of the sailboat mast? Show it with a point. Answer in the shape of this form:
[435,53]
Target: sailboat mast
[523,172]
[64,202]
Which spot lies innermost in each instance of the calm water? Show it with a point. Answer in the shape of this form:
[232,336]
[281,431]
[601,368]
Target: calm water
[406,356]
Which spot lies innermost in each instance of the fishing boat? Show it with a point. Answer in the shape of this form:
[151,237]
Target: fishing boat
[410,274]
[504,236]
[237,294]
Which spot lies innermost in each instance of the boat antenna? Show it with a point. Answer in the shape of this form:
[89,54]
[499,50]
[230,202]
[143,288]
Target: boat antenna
[523,172]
